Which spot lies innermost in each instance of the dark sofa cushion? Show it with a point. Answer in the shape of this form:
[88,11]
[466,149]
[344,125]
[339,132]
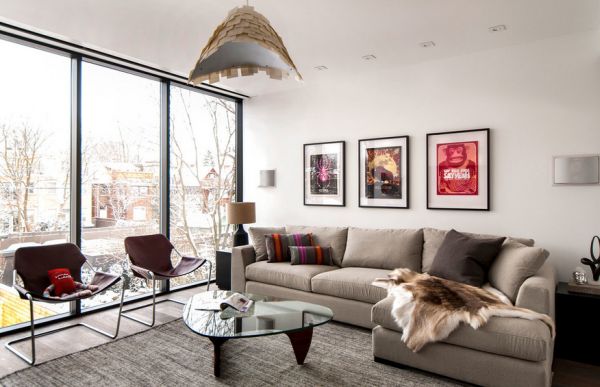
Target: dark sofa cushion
[311,255]
[465,259]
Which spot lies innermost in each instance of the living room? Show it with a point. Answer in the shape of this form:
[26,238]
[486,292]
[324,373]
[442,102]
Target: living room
[454,140]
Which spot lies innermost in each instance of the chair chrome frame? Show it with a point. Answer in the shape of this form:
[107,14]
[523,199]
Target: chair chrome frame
[152,277]
[31,360]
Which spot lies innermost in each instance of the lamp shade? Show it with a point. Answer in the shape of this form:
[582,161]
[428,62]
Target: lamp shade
[241,213]
[244,43]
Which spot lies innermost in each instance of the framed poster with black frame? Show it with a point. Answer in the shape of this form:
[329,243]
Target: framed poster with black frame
[458,170]
[383,172]
[324,179]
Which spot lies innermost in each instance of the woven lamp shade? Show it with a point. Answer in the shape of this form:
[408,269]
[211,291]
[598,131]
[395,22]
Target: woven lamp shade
[244,43]
[241,213]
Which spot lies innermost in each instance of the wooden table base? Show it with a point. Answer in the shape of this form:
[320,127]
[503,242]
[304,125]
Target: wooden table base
[300,343]
[217,343]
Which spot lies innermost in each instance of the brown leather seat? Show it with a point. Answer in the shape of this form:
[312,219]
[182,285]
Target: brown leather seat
[150,257]
[152,253]
[33,263]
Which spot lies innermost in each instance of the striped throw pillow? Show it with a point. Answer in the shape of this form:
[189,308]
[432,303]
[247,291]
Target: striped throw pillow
[278,245]
[310,255]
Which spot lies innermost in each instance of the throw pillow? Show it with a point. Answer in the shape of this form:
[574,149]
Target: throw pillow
[335,237]
[277,245]
[311,255]
[465,259]
[434,237]
[257,237]
[515,263]
[62,281]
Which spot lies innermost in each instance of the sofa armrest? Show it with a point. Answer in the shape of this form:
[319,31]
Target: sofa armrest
[241,257]
[537,293]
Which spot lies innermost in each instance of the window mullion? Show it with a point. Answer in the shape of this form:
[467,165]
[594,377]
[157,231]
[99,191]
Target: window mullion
[164,184]
[75,165]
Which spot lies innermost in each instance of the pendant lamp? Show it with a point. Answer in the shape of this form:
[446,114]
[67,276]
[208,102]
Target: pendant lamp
[243,44]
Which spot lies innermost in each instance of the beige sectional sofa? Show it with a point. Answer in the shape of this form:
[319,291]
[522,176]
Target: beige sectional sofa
[505,352]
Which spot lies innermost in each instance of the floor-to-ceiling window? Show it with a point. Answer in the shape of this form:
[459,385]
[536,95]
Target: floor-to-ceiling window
[120,157]
[87,131]
[202,174]
[34,163]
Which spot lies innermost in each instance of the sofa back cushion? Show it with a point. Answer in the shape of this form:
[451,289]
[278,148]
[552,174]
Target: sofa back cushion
[434,237]
[384,248]
[515,263]
[257,237]
[334,237]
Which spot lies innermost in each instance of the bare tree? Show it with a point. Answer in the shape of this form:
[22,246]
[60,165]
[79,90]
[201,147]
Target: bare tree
[193,188]
[121,197]
[19,164]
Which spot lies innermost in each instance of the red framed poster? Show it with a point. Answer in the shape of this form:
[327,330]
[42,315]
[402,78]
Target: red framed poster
[458,170]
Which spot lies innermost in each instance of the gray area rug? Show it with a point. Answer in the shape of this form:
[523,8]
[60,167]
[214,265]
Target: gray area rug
[171,355]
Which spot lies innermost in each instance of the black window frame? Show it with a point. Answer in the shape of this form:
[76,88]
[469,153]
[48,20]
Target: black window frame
[79,54]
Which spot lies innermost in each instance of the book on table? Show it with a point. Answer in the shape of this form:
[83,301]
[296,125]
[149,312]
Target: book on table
[236,301]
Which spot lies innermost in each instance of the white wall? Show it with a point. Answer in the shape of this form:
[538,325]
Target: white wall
[539,99]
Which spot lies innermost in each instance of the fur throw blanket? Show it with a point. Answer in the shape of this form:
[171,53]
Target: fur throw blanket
[429,309]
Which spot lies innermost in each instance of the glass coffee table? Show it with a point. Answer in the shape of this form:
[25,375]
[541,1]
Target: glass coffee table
[267,316]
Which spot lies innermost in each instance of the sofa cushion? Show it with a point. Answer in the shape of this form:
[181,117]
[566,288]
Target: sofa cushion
[433,238]
[464,259]
[310,255]
[285,274]
[335,237]
[353,283]
[515,263]
[514,337]
[384,248]
[257,236]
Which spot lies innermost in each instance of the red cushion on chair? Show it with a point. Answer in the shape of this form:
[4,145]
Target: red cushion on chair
[62,281]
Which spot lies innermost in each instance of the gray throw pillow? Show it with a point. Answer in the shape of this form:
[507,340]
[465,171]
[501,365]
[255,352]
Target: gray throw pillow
[515,263]
[257,237]
[434,237]
[465,259]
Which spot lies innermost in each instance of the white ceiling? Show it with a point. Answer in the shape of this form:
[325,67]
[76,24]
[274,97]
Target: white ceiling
[169,34]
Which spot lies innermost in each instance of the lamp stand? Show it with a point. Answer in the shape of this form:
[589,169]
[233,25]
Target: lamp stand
[240,237]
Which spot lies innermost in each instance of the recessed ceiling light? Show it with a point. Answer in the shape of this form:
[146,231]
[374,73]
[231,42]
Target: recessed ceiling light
[498,28]
[369,57]
[428,44]
[321,68]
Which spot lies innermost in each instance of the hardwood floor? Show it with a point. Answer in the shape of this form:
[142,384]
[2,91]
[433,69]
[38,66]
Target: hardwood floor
[572,374]
[77,339]
[566,373]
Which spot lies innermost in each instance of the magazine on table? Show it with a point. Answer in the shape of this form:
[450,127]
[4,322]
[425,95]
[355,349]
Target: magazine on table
[236,301]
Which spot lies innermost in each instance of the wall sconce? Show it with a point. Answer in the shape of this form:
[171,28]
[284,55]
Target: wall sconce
[573,170]
[267,178]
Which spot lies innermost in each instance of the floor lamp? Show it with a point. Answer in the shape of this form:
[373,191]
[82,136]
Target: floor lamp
[241,213]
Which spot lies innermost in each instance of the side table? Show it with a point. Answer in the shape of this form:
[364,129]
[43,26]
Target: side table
[223,269]
[577,321]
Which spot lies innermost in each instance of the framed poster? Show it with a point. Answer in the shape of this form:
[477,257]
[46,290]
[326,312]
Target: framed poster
[458,170]
[324,180]
[383,172]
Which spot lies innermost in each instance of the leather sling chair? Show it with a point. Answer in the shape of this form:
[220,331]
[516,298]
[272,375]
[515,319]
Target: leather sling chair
[150,257]
[32,265]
